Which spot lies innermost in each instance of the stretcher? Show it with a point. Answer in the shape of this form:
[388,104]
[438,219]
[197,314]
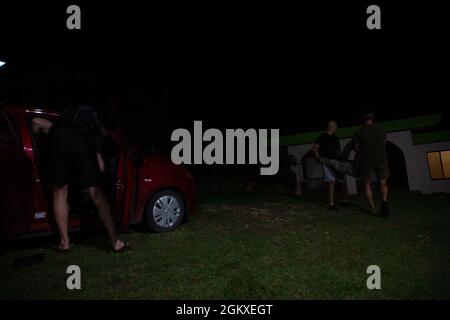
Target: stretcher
[346,167]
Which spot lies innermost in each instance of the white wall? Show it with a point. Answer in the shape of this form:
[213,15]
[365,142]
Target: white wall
[422,173]
[298,151]
[419,178]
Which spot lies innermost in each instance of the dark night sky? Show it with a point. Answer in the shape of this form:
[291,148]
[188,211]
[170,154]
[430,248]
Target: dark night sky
[288,68]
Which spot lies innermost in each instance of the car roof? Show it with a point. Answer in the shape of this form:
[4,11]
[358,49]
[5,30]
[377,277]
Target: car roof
[31,109]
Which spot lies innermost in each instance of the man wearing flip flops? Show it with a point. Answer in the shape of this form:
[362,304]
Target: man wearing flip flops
[75,143]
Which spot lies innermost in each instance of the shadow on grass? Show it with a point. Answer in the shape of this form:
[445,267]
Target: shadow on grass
[42,244]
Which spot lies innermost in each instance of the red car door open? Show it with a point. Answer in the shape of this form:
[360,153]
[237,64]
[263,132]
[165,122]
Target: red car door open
[16,187]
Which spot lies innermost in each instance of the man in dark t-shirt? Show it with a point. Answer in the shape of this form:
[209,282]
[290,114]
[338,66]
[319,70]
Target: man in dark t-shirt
[327,146]
[370,141]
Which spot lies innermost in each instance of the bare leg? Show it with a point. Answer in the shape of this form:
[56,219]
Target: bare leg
[61,212]
[369,193]
[101,202]
[384,189]
[384,192]
[331,185]
[345,190]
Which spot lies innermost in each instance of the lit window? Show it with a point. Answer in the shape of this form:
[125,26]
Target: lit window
[439,163]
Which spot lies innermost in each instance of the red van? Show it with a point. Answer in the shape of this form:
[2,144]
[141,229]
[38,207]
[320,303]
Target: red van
[142,189]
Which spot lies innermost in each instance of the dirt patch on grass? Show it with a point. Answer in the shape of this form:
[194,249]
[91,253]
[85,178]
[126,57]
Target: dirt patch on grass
[268,214]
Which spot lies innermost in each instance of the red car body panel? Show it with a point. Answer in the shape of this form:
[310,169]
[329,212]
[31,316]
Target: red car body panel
[16,172]
[158,175]
[134,187]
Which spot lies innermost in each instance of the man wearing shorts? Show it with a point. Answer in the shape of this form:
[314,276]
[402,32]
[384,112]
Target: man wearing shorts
[75,152]
[370,140]
[327,146]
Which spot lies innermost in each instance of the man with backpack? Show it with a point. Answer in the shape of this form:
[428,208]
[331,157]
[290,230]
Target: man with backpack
[75,150]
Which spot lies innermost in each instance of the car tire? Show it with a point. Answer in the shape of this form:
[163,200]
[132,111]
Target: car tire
[165,211]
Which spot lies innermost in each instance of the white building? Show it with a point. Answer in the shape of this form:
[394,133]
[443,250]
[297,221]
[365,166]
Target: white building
[419,157]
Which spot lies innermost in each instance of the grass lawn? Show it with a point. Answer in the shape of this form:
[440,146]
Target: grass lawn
[257,246]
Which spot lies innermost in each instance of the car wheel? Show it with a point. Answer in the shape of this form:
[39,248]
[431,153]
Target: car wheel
[165,211]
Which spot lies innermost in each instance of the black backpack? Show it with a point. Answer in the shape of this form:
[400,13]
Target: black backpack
[82,118]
